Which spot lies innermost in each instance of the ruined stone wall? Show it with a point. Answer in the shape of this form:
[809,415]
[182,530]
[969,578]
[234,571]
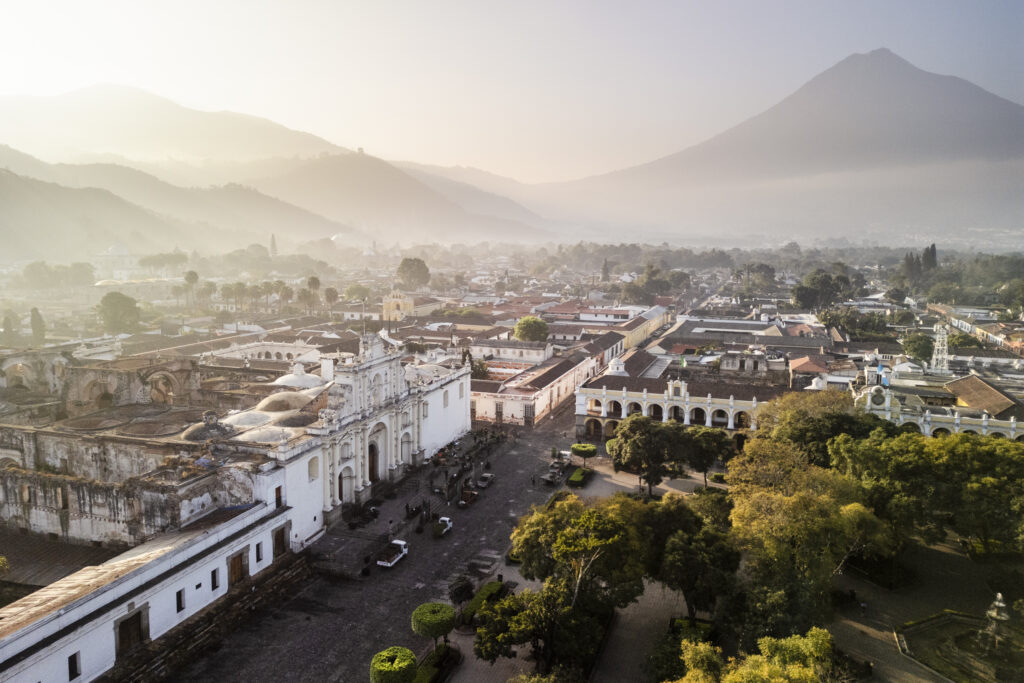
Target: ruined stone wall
[37,415]
[70,508]
[80,510]
[99,458]
[226,486]
[87,385]
[16,446]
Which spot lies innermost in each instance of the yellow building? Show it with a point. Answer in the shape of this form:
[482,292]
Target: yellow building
[398,306]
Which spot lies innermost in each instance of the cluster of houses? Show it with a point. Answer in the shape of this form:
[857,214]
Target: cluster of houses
[193,461]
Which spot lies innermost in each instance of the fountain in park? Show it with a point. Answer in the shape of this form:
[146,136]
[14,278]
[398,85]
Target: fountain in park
[997,615]
[963,647]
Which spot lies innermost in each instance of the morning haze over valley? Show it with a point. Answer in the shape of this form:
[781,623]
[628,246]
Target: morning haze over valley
[532,342]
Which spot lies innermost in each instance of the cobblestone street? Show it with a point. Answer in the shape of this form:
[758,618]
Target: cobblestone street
[331,629]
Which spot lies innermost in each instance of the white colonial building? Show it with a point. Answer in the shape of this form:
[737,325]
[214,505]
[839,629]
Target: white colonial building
[242,490]
[603,402]
[936,420]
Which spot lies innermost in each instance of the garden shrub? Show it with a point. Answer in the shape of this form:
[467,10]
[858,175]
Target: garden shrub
[393,665]
[486,592]
[433,620]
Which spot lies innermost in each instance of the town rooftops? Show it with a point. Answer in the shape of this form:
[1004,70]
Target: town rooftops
[697,390]
[509,344]
[636,361]
[604,342]
[812,364]
[974,392]
[632,324]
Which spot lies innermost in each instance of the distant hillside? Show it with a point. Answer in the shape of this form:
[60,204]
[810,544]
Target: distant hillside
[233,208]
[46,221]
[486,181]
[136,124]
[383,200]
[470,197]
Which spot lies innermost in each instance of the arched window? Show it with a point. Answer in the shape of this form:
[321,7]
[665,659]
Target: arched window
[445,398]
[314,468]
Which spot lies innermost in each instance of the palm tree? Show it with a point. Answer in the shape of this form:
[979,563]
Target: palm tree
[305,297]
[253,293]
[207,290]
[331,297]
[238,293]
[313,285]
[177,291]
[284,296]
[227,292]
[266,289]
[191,278]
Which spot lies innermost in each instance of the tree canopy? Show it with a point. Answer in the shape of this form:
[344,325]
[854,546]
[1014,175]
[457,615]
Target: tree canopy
[393,665]
[38,328]
[413,273]
[433,620]
[119,313]
[531,328]
[642,446]
[796,659]
[919,346]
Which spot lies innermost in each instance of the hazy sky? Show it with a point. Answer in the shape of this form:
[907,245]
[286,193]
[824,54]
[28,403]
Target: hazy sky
[537,90]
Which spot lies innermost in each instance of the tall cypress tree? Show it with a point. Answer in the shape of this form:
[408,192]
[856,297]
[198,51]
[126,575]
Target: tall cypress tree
[38,328]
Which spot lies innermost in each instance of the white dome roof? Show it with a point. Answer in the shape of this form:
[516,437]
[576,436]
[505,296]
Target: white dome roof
[299,378]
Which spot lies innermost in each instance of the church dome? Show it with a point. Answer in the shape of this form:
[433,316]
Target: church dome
[299,378]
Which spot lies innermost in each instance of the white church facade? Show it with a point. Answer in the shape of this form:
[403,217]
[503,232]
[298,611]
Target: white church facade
[247,488]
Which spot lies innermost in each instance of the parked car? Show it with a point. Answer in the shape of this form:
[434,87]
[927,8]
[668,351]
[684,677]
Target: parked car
[394,551]
[485,480]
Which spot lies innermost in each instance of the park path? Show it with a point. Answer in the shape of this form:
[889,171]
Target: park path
[947,578]
[635,630]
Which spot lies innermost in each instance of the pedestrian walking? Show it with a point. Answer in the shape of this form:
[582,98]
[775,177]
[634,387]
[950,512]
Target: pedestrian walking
[533,480]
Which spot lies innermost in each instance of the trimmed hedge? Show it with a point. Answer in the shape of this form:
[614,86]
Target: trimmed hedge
[393,665]
[486,592]
[717,477]
[436,664]
[556,498]
[433,620]
[579,477]
[583,450]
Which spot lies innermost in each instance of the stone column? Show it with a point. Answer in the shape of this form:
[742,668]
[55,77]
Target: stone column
[325,474]
[364,456]
[335,472]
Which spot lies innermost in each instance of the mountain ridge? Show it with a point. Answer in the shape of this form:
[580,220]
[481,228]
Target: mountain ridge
[870,113]
[129,121]
[230,208]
